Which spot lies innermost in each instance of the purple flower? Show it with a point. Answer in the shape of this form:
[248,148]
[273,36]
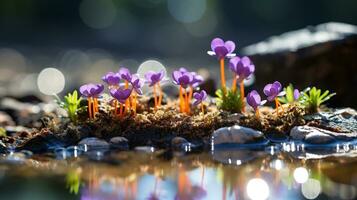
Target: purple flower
[91,90]
[242,67]
[254,99]
[197,79]
[182,78]
[125,74]
[199,97]
[137,84]
[272,90]
[222,49]
[111,78]
[154,77]
[120,94]
[296,94]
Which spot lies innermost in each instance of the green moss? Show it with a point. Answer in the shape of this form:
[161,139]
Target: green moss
[230,101]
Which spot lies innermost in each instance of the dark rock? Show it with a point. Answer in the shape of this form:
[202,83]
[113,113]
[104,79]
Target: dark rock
[94,143]
[322,56]
[29,99]
[236,135]
[120,143]
[312,135]
[339,120]
[178,142]
[41,142]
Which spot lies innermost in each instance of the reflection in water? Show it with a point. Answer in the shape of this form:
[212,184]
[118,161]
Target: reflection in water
[301,175]
[223,174]
[257,189]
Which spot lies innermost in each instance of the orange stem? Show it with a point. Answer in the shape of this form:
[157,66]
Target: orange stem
[190,95]
[155,99]
[160,94]
[202,108]
[242,95]
[186,107]
[223,79]
[181,99]
[277,106]
[134,103]
[96,105]
[234,84]
[257,113]
[188,110]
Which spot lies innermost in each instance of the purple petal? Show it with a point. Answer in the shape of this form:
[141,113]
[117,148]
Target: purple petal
[216,42]
[197,102]
[84,90]
[175,76]
[233,63]
[266,89]
[277,86]
[197,95]
[230,46]
[203,94]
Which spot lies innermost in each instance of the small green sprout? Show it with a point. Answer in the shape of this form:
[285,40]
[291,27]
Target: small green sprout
[231,101]
[291,95]
[312,99]
[2,132]
[71,104]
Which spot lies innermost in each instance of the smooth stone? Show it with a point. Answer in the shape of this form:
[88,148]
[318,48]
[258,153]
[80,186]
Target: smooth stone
[94,143]
[120,143]
[319,138]
[300,133]
[236,135]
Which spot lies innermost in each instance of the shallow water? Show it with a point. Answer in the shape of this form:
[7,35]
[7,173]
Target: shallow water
[282,171]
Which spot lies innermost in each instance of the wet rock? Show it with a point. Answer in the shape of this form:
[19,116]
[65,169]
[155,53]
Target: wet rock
[319,138]
[236,135]
[6,120]
[177,143]
[41,142]
[321,56]
[120,143]
[340,120]
[94,143]
[318,135]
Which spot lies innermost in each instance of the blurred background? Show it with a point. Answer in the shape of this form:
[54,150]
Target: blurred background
[83,39]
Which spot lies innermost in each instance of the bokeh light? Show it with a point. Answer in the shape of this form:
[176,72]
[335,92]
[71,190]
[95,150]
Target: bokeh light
[301,175]
[257,189]
[311,189]
[50,81]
